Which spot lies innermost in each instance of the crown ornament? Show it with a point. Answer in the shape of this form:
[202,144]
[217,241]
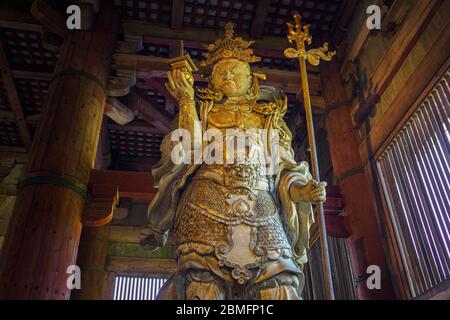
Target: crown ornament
[229,47]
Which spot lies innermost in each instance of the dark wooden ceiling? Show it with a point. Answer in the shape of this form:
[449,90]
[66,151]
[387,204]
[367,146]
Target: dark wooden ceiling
[135,146]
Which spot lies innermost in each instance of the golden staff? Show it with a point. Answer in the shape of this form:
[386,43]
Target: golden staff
[300,35]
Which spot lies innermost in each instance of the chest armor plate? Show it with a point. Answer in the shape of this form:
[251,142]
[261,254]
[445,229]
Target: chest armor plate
[242,117]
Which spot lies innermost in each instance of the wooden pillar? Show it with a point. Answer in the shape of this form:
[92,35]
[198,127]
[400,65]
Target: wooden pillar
[44,233]
[92,253]
[365,244]
[93,248]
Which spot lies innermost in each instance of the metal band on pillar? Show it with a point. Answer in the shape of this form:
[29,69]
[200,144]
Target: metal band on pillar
[59,180]
[80,73]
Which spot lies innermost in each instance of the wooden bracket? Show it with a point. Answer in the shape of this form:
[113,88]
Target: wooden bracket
[120,84]
[100,208]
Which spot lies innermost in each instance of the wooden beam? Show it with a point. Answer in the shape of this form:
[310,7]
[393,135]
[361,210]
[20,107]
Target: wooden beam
[32,75]
[136,164]
[132,235]
[177,14]
[206,36]
[88,10]
[357,47]
[348,10]
[103,156]
[414,91]
[395,16]
[153,83]
[157,67]
[358,44]
[156,267]
[51,41]
[49,17]
[34,119]
[8,149]
[8,82]
[135,185]
[13,19]
[191,44]
[118,112]
[125,234]
[260,17]
[147,110]
[19,157]
[150,110]
[136,126]
[404,40]
[7,115]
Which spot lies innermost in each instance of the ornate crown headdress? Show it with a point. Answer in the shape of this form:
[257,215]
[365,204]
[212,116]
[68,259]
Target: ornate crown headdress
[229,48]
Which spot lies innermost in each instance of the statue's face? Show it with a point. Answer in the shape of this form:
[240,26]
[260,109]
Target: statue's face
[231,77]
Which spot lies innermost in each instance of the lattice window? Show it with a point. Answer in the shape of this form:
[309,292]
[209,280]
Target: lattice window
[415,176]
[9,134]
[215,13]
[25,51]
[320,14]
[148,10]
[137,287]
[32,95]
[344,288]
[135,144]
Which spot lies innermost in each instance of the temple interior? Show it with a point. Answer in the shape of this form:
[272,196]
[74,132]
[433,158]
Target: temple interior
[83,113]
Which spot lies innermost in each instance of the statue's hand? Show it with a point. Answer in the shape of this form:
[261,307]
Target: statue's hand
[313,192]
[152,240]
[180,86]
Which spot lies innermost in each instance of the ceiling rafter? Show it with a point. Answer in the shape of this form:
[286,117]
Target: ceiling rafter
[16,107]
[259,19]
[177,14]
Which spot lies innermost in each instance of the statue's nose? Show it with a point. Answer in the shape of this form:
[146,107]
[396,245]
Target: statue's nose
[227,75]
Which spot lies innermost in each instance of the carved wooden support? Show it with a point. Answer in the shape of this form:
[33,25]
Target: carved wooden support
[101,205]
[367,105]
[125,77]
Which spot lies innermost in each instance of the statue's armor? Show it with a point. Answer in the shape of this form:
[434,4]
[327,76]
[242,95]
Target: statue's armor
[228,211]
[235,116]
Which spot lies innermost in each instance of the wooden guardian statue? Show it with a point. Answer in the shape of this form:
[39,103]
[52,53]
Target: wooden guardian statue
[242,226]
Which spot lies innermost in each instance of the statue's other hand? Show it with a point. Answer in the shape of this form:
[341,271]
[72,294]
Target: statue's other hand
[151,240]
[180,85]
[314,191]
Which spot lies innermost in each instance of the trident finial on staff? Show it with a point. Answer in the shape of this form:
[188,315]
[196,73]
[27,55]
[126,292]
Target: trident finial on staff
[300,35]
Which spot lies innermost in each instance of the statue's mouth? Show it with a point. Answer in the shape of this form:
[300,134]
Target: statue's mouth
[229,83]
